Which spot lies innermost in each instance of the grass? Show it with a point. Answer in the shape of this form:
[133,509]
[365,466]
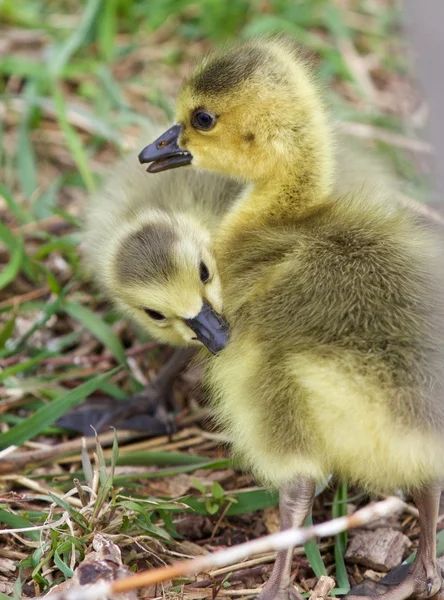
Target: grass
[77,82]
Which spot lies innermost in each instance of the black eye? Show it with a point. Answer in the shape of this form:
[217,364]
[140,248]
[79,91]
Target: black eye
[204,120]
[204,272]
[157,316]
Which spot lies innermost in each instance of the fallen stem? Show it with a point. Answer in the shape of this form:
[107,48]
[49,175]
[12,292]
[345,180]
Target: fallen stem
[276,541]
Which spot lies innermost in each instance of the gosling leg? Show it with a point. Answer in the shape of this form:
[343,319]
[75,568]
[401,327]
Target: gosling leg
[156,399]
[295,504]
[424,579]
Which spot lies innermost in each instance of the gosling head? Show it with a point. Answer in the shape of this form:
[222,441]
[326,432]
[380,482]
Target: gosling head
[164,275]
[252,111]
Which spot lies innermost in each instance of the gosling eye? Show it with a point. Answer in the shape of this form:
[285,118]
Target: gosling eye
[203,120]
[154,314]
[204,272]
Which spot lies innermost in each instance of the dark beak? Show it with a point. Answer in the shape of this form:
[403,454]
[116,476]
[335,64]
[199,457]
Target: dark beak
[164,153]
[210,328]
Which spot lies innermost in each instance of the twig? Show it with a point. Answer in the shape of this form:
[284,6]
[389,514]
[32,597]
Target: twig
[363,130]
[17,300]
[422,209]
[80,492]
[80,120]
[50,224]
[276,541]
[357,66]
[156,445]
[34,485]
[15,462]
[52,525]
[58,361]
[220,519]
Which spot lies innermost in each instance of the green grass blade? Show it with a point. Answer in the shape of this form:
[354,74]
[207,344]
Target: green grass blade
[313,553]
[11,241]
[107,28]
[67,572]
[49,309]
[115,455]
[7,237]
[103,474]
[221,463]
[73,513]
[98,328]
[113,390]
[9,273]
[6,331]
[73,141]
[49,413]
[43,206]
[159,459]
[79,37]
[14,522]
[23,366]
[15,208]
[340,510]
[251,501]
[26,162]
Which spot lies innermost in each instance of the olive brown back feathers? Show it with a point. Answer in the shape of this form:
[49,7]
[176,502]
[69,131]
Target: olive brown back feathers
[322,290]
[148,245]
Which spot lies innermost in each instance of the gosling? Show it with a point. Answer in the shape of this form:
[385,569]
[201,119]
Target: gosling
[148,246]
[334,301]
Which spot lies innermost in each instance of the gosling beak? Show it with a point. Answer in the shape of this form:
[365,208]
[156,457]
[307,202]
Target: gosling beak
[164,153]
[210,328]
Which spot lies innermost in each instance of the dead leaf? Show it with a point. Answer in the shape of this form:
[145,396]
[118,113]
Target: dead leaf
[6,586]
[209,477]
[7,566]
[171,487]
[323,588]
[105,563]
[381,549]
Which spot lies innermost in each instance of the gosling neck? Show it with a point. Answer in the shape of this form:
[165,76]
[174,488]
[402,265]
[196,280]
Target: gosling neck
[304,180]
[298,187]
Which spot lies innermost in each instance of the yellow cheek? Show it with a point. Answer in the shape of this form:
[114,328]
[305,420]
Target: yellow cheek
[166,334]
[183,331]
[196,161]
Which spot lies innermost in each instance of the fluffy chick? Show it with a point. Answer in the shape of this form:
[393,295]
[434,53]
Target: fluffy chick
[148,246]
[334,301]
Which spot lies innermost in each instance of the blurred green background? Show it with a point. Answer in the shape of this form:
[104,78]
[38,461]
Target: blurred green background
[77,82]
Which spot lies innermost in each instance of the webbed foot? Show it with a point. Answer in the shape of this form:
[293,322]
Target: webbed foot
[152,410]
[424,580]
[149,411]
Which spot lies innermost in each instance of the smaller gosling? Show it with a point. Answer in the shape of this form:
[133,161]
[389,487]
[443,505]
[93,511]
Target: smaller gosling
[148,246]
